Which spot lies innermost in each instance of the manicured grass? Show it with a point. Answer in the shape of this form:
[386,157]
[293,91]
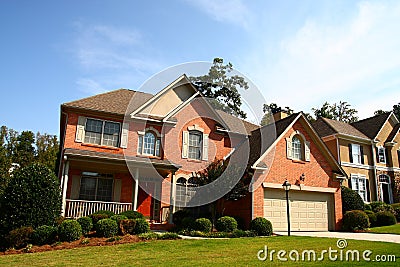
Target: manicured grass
[391,229]
[216,252]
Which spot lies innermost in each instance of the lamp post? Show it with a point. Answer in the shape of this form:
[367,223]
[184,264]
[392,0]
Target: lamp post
[286,185]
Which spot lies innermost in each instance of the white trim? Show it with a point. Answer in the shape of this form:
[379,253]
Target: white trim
[354,138]
[302,188]
[384,154]
[390,169]
[180,106]
[391,115]
[195,127]
[154,120]
[356,165]
[389,188]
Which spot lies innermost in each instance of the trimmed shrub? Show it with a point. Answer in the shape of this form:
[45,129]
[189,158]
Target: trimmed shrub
[261,226]
[105,212]
[351,200]
[385,218]
[141,226]
[396,208]
[378,206]
[118,218]
[372,218]
[188,223]
[149,236]
[178,217]
[355,220]
[240,221]
[86,224]
[69,230]
[44,235]
[20,237]
[106,228]
[203,225]
[367,207]
[241,233]
[226,224]
[127,226]
[131,214]
[32,197]
[97,217]
[169,236]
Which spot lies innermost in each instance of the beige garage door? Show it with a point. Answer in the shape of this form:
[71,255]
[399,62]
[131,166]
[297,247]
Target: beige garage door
[308,210]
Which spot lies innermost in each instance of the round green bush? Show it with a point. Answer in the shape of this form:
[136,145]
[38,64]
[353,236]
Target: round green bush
[86,224]
[97,217]
[226,224]
[378,206]
[131,214]
[32,197]
[69,230]
[396,209]
[105,212]
[261,226]
[371,217]
[203,225]
[355,220]
[188,223]
[367,207]
[351,200]
[106,228]
[141,226]
[118,218]
[385,218]
[44,235]
[178,217]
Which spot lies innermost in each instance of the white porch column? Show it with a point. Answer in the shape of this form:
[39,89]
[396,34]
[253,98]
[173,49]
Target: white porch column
[172,198]
[136,190]
[64,187]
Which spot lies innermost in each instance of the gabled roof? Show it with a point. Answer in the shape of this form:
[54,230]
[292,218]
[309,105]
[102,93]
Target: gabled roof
[372,126]
[263,139]
[327,127]
[393,134]
[114,102]
[236,124]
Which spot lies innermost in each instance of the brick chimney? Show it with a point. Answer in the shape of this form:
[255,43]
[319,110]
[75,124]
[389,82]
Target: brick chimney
[281,114]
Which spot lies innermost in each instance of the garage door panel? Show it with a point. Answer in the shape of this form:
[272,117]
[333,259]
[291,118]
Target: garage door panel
[308,210]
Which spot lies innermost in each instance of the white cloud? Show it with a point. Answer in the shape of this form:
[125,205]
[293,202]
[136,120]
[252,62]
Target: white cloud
[346,61]
[90,86]
[233,11]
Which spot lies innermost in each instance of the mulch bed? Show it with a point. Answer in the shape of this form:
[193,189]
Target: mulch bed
[83,242]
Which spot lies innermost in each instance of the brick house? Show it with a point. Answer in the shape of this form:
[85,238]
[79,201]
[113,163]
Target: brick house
[126,150]
[369,152]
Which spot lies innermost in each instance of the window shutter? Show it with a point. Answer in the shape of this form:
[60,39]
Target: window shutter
[350,153]
[117,190]
[307,153]
[349,183]
[140,144]
[124,135]
[185,144]
[76,187]
[362,154]
[289,148]
[377,154]
[368,192]
[80,129]
[204,155]
[386,155]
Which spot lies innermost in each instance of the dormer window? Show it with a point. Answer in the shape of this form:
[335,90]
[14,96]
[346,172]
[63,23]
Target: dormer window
[297,147]
[149,143]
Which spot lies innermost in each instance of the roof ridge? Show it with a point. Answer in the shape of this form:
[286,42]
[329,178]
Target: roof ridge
[373,117]
[105,93]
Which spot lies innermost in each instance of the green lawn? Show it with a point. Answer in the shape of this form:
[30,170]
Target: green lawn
[216,252]
[392,229]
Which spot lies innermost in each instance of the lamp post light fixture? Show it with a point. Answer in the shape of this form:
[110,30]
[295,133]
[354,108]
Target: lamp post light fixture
[286,185]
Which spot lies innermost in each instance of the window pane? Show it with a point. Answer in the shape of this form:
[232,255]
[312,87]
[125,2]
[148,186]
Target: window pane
[93,125]
[381,155]
[88,188]
[158,147]
[195,144]
[149,142]
[110,140]
[296,148]
[356,153]
[111,128]
[93,138]
[104,189]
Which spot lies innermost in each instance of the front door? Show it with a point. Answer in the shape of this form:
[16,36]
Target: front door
[386,192]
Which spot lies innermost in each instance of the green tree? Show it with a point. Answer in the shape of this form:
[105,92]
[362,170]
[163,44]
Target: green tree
[25,151]
[270,110]
[5,160]
[380,112]
[341,111]
[396,110]
[47,148]
[220,85]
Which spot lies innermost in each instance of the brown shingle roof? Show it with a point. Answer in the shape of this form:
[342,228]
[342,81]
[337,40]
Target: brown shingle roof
[326,127]
[371,126]
[115,102]
[236,124]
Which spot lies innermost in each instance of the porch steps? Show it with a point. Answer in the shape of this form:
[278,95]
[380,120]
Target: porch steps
[161,226]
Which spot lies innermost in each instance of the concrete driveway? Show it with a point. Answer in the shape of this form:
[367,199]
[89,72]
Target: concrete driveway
[343,235]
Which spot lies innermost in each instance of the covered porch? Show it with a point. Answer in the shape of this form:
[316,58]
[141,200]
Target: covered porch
[93,181]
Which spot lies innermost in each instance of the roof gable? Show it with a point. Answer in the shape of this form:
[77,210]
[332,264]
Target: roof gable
[326,127]
[373,125]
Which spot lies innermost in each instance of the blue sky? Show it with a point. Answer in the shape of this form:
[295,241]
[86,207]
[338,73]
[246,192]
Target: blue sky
[298,53]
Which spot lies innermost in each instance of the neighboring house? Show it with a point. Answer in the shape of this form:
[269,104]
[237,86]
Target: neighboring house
[298,155]
[132,150]
[368,150]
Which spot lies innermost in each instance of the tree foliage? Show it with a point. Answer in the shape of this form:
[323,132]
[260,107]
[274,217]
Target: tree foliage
[341,111]
[221,85]
[396,111]
[270,110]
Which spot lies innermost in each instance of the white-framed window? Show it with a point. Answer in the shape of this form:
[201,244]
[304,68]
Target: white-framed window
[95,186]
[149,144]
[102,132]
[356,153]
[195,145]
[359,184]
[381,155]
[185,190]
[297,151]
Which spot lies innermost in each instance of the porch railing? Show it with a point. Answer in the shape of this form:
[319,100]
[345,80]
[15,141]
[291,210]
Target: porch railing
[81,208]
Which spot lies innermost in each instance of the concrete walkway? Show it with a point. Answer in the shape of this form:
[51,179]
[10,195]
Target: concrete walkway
[343,235]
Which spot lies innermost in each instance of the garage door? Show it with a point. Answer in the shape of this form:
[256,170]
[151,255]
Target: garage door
[308,210]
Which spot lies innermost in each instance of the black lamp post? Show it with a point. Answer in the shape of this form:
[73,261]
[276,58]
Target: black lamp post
[286,185]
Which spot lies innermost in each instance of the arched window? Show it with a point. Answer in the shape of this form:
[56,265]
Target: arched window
[185,190]
[149,144]
[296,148]
[385,189]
